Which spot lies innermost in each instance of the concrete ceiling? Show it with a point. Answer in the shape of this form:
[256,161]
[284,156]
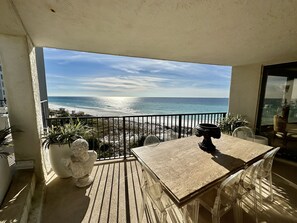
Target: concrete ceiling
[229,32]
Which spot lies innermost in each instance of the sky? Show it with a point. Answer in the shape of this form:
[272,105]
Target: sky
[73,73]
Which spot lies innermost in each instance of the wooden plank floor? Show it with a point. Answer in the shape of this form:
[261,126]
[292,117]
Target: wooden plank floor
[115,196]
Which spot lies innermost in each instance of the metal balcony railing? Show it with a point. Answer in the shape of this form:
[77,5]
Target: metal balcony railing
[113,137]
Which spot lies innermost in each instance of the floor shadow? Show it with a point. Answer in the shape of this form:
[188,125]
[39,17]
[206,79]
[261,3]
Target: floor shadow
[64,202]
[11,210]
[281,209]
[229,162]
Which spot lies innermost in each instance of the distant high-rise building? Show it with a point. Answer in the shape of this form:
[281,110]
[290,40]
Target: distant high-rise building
[2,89]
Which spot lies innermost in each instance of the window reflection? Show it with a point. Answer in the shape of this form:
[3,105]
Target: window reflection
[277,118]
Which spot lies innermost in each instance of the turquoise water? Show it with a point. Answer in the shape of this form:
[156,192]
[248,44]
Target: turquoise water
[111,106]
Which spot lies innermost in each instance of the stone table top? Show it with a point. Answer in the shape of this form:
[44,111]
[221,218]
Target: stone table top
[185,171]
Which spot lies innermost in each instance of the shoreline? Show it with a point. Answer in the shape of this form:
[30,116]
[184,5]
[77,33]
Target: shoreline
[98,113]
[138,107]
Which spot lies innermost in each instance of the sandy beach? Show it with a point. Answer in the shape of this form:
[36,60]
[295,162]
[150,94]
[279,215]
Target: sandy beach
[98,112]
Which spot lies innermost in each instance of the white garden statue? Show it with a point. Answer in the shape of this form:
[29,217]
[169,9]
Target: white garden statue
[81,162]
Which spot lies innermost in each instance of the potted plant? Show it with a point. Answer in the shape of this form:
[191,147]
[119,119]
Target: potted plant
[5,171]
[280,120]
[58,140]
[229,123]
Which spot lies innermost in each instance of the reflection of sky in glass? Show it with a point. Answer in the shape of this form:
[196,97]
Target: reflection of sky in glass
[278,89]
[294,89]
[275,86]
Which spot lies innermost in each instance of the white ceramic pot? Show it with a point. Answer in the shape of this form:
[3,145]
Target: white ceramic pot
[5,176]
[58,154]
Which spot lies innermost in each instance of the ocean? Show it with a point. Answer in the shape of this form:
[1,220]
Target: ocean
[120,106]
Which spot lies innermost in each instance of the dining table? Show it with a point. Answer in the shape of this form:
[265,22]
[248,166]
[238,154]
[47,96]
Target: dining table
[185,171]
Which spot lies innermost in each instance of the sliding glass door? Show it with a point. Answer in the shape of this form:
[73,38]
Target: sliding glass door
[277,117]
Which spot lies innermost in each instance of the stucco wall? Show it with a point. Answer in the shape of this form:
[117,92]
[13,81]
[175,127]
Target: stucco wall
[21,81]
[245,91]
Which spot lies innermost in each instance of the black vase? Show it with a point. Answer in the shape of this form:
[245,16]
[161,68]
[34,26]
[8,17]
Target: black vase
[207,131]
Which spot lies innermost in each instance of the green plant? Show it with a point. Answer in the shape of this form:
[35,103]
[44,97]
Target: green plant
[3,135]
[230,122]
[94,143]
[67,133]
[138,142]
[4,139]
[284,110]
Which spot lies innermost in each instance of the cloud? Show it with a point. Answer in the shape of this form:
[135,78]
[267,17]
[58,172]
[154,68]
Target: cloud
[121,76]
[138,66]
[124,82]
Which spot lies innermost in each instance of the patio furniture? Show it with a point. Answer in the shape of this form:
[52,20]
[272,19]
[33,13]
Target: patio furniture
[151,140]
[156,204]
[244,132]
[248,184]
[170,135]
[265,172]
[220,201]
[185,172]
[261,139]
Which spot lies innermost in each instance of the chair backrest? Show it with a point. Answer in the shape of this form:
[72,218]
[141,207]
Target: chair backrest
[170,135]
[268,159]
[151,140]
[244,132]
[249,176]
[163,207]
[229,187]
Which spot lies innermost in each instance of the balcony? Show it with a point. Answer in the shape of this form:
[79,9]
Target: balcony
[246,41]
[115,195]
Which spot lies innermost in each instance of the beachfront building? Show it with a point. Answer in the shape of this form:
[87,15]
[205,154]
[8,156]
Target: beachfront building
[257,38]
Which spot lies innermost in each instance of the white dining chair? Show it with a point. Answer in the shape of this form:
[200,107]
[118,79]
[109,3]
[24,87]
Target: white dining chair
[248,183]
[170,135]
[244,132]
[220,201]
[151,140]
[156,203]
[265,172]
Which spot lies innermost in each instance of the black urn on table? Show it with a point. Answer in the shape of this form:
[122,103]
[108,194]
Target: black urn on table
[207,131]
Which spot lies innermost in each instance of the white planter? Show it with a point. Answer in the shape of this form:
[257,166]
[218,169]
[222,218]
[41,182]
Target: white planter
[5,176]
[58,154]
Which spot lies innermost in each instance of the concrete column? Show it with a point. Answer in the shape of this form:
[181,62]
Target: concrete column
[18,60]
[245,91]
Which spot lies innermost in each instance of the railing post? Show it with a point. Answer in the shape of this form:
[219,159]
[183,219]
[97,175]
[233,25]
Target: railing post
[179,125]
[124,136]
